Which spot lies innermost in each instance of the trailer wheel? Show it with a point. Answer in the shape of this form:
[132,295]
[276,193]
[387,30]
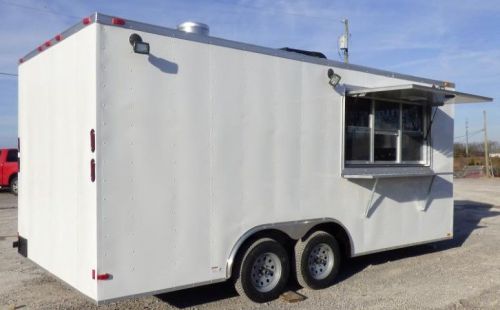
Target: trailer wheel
[263,270]
[317,260]
[13,186]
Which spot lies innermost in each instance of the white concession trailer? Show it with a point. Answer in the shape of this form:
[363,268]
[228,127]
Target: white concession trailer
[155,159]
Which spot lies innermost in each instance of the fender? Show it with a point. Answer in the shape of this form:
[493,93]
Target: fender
[293,229]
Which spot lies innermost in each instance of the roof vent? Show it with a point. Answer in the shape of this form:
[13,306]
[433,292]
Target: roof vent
[194,27]
[304,52]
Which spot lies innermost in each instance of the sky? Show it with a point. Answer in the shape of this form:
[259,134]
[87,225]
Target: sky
[447,40]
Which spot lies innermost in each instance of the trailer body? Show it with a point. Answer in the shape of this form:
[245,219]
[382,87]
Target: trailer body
[156,168]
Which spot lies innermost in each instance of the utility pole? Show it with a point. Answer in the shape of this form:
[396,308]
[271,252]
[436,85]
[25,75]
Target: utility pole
[344,41]
[466,138]
[486,154]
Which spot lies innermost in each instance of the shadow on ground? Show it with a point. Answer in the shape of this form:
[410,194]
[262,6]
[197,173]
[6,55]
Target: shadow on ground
[467,216]
[199,295]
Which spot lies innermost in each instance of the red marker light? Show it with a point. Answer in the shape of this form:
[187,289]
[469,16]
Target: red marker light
[118,21]
[92,140]
[48,43]
[20,61]
[86,21]
[103,276]
[58,37]
[92,170]
[40,48]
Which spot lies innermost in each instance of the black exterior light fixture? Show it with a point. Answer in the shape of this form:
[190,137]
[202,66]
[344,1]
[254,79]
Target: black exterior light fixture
[334,77]
[138,45]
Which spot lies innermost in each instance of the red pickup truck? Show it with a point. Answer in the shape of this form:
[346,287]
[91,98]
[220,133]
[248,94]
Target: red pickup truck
[8,169]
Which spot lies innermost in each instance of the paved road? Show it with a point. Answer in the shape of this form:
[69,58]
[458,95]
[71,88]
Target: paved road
[463,273]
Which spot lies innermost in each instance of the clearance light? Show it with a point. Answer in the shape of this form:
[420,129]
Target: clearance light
[118,21]
[86,21]
[138,45]
[47,44]
[58,37]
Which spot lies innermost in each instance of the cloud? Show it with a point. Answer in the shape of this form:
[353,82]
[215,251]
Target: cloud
[446,39]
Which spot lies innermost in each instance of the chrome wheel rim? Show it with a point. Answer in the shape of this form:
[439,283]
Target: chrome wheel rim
[266,272]
[320,261]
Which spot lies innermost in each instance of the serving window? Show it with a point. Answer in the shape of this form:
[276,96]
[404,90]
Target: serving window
[384,132]
[386,129]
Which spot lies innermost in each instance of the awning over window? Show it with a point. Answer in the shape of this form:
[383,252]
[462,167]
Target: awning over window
[385,172]
[413,93]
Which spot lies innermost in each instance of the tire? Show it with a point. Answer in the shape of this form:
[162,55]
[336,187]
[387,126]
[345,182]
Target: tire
[317,260]
[263,271]
[14,186]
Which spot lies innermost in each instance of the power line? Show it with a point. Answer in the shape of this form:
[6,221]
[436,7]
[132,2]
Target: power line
[39,10]
[475,132]
[260,9]
[459,138]
[8,74]
[46,11]
[470,135]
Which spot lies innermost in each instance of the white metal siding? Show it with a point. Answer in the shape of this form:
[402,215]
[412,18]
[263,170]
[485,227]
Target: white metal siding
[201,143]
[57,201]
[197,144]
[155,179]
[276,143]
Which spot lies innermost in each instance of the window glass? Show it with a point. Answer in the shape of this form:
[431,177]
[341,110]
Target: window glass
[384,132]
[386,115]
[412,117]
[12,156]
[412,147]
[358,112]
[357,146]
[386,147]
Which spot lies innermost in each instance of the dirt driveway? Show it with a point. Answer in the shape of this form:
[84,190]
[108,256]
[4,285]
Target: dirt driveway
[463,273]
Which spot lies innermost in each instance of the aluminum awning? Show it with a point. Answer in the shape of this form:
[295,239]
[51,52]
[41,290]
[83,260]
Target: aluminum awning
[413,93]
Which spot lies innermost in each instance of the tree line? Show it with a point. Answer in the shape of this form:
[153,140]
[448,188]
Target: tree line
[475,148]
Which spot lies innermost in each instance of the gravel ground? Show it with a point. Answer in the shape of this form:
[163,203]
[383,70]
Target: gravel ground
[463,273]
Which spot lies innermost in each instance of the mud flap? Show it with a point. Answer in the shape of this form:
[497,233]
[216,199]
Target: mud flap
[22,246]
